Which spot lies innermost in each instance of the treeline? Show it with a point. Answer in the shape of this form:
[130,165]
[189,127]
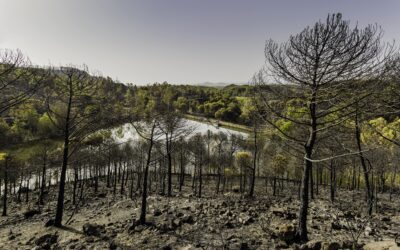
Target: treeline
[230,103]
[30,120]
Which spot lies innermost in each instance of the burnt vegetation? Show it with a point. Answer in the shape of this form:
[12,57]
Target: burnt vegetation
[305,156]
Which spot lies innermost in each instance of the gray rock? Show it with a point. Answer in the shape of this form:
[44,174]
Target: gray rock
[187,219]
[335,225]
[93,229]
[30,213]
[382,245]
[286,232]
[49,223]
[244,246]
[157,212]
[312,245]
[330,246]
[368,231]
[235,189]
[47,240]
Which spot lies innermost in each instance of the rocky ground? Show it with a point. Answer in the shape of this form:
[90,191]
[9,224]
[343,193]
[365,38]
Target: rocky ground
[227,221]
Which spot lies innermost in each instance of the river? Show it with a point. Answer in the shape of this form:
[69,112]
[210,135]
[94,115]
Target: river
[127,134]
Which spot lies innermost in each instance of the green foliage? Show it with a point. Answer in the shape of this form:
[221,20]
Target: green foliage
[5,132]
[297,109]
[279,164]
[230,113]
[243,159]
[225,104]
[182,104]
[45,127]
[284,125]
[26,120]
[3,156]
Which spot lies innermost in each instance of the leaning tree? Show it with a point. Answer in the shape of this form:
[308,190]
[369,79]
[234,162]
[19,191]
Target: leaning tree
[317,73]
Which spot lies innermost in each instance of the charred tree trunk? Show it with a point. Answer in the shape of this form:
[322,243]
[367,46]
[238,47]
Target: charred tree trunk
[253,173]
[169,162]
[219,179]
[142,219]
[332,181]
[200,173]
[75,185]
[43,183]
[311,184]
[122,189]
[5,188]
[301,232]
[182,174]
[115,179]
[369,192]
[60,200]
[109,169]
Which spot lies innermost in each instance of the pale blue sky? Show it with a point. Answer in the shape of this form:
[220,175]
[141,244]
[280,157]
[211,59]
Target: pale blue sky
[179,41]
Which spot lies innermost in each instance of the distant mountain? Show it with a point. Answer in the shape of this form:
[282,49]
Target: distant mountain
[217,84]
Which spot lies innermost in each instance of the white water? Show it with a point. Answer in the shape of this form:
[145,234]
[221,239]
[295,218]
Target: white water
[126,134]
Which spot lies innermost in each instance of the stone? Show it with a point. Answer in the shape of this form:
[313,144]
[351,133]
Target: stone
[281,244]
[45,241]
[330,246]
[335,225]
[30,213]
[157,212]
[244,246]
[93,229]
[286,232]
[177,222]
[228,214]
[236,189]
[163,227]
[245,219]
[187,219]
[229,225]
[112,245]
[102,195]
[312,245]
[231,236]
[49,223]
[90,239]
[368,231]
[139,228]
[188,247]
[349,215]
[280,212]
[348,244]
[382,245]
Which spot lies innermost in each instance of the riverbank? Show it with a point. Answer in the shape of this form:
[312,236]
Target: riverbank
[224,124]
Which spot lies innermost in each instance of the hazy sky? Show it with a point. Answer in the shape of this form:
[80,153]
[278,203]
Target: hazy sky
[179,41]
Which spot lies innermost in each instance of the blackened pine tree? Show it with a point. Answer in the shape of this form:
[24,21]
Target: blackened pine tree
[314,72]
[74,109]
